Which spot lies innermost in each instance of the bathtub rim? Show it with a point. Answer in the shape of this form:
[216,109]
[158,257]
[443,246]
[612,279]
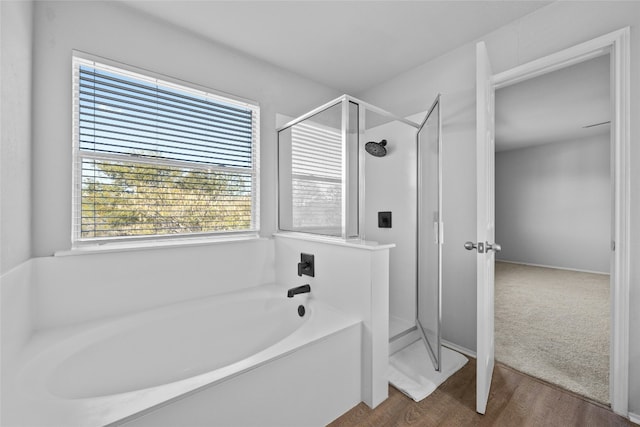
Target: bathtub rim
[44,408]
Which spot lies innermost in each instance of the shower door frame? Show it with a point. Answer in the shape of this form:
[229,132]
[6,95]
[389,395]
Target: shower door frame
[434,354]
[363,106]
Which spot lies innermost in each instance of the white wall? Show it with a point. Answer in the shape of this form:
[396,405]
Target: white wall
[553,204]
[15,323]
[353,278]
[16,27]
[554,27]
[80,288]
[15,132]
[77,288]
[114,31]
[16,302]
[391,186]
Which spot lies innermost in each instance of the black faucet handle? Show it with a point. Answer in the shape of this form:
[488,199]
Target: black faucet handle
[306,265]
[303,267]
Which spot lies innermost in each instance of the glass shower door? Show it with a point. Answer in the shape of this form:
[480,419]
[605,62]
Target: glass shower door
[430,232]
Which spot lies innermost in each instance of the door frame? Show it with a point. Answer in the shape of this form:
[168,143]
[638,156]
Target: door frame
[617,44]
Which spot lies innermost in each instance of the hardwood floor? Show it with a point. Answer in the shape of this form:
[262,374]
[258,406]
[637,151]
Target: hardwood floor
[516,400]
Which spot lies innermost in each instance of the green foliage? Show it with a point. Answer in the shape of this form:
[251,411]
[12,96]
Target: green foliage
[134,199]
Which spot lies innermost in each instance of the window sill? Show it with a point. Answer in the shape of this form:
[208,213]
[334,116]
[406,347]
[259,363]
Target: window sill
[109,247]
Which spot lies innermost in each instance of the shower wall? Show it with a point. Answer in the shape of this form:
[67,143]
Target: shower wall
[390,185]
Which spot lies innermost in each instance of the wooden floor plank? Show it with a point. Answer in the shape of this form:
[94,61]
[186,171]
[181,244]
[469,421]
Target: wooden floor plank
[516,399]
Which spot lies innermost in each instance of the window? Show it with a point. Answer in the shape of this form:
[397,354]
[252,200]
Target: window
[153,158]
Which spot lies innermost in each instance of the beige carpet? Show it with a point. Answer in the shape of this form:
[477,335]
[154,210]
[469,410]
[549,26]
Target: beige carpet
[554,325]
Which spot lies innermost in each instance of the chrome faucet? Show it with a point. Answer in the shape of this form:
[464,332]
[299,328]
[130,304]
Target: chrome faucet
[304,289]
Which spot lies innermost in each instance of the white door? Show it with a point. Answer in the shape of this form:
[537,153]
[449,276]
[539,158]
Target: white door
[485,245]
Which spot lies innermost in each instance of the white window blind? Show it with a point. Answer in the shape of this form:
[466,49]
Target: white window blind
[316,166]
[153,158]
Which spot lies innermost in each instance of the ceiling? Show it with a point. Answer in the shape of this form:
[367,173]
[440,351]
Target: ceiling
[554,107]
[350,46]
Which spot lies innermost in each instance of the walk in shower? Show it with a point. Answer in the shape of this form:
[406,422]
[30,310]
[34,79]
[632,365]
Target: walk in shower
[353,171]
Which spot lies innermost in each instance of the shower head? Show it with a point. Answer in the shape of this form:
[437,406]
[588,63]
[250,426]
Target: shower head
[376,148]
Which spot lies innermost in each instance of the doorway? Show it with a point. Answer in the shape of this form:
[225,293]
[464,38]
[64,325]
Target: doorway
[617,45]
[553,222]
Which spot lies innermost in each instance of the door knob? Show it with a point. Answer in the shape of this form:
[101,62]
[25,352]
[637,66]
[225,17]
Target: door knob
[482,247]
[471,246]
[493,247]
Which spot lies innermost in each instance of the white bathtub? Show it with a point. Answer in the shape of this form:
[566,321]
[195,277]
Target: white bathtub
[112,371]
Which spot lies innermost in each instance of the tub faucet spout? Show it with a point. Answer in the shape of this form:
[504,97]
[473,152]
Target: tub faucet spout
[304,289]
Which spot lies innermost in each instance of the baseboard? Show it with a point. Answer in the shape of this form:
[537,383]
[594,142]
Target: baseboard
[403,340]
[459,348]
[403,333]
[399,326]
[552,266]
[634,418]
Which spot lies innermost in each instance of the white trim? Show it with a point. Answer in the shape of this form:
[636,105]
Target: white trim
[337,241]
[459,348]
[634,418]
[167,243]
[617,44]
[403,342]
[556,61]
[553,266]
[404,333]
[620,132]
